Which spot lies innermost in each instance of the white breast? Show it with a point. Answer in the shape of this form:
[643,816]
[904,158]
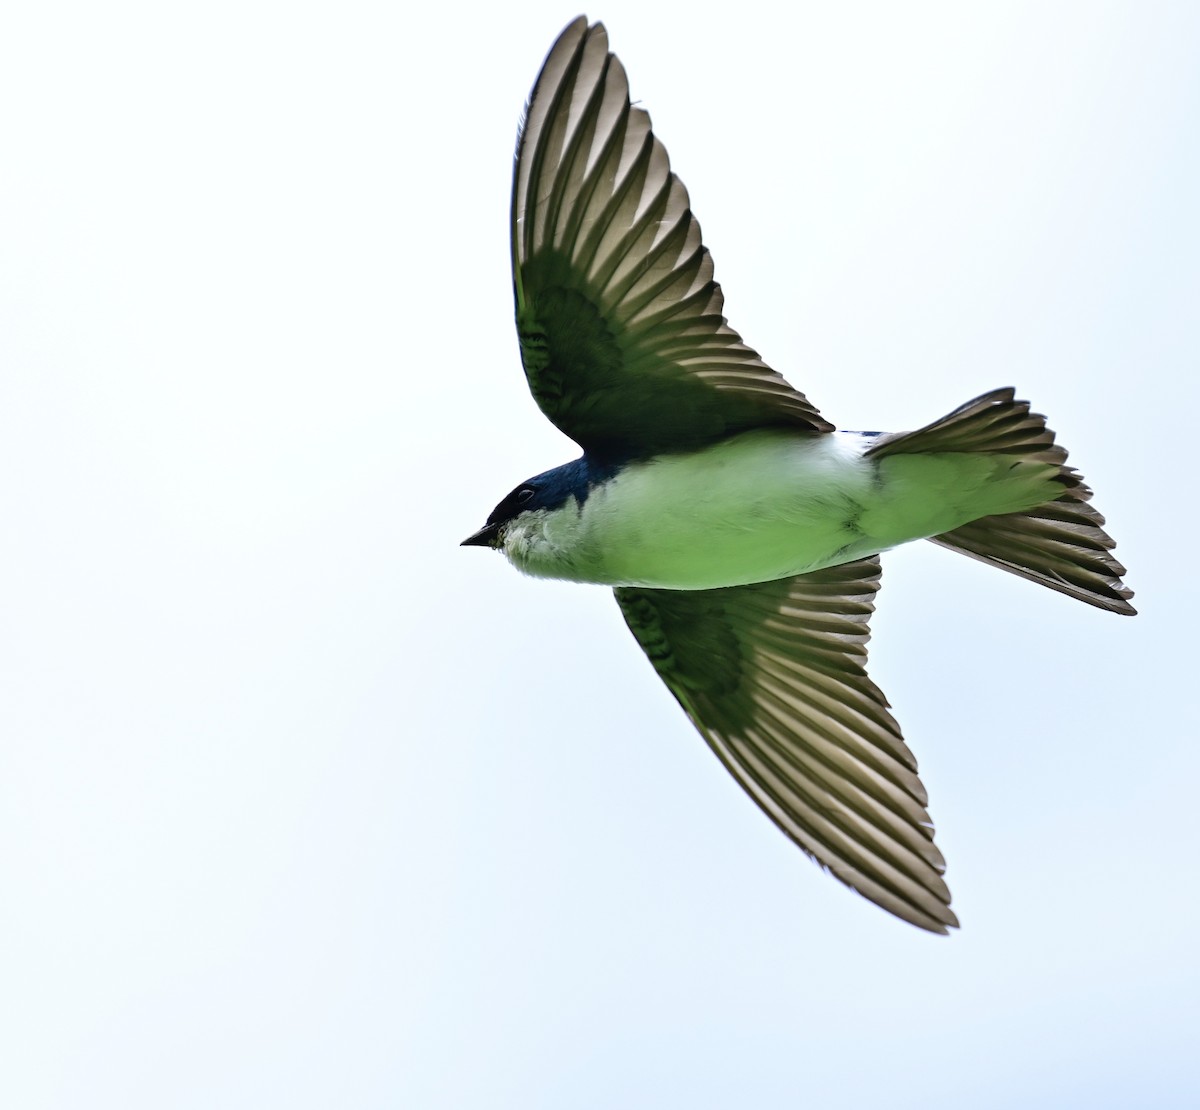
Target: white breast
[763,505]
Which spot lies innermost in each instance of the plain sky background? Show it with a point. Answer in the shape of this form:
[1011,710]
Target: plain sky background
[302,805]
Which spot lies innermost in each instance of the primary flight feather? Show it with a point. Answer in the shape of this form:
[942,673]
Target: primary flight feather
[739,529]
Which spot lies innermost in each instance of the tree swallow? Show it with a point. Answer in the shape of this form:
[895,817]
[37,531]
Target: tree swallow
[739,529]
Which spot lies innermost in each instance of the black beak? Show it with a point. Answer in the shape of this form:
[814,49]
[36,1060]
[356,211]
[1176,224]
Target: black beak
[487,536]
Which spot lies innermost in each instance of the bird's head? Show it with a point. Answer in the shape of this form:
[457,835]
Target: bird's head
[528,497]
[532,502]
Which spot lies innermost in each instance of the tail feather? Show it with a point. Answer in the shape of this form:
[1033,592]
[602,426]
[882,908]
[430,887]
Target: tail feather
[1061,543]
[994,424]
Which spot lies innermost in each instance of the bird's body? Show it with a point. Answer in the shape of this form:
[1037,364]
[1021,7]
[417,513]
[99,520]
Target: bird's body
[739,530]
[762,505]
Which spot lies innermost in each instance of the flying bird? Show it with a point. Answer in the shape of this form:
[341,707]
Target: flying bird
[739,529]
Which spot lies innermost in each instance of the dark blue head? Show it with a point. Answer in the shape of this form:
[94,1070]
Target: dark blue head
[550,490]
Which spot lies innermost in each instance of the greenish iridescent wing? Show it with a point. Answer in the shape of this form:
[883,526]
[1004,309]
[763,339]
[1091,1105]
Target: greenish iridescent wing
[773,677]
[621,325]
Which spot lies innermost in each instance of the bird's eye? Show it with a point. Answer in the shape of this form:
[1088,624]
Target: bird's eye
[523,495]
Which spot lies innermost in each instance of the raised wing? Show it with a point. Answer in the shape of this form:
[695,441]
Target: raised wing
[772,676]
[622,335]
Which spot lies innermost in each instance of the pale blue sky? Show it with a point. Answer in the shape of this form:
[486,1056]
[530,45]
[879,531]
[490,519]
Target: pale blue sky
[303,806]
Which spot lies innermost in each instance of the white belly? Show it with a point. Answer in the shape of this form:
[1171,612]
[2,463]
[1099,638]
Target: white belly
[761,506]
[764,505]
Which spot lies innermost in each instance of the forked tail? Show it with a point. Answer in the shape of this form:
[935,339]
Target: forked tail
[1061,543]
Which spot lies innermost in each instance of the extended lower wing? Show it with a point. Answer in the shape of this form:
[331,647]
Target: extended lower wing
[772,675]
